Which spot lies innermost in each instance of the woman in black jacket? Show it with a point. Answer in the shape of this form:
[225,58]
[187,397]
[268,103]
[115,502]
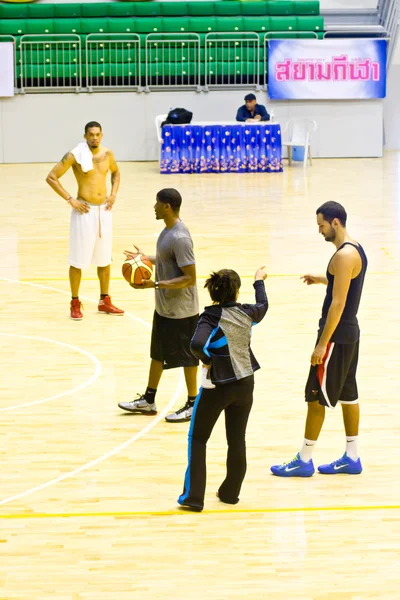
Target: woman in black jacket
[222,342]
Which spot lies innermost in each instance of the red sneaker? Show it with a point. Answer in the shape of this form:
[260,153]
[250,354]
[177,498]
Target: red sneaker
[105,306]
[76,309]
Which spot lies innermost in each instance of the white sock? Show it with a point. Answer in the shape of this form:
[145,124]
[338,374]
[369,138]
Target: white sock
[307,450]
[352,446]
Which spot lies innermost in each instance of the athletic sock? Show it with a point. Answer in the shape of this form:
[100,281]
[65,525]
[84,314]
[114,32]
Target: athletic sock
[75,297]
[307,450]
[102,296]
[150,395]
[352,446]
[191,399]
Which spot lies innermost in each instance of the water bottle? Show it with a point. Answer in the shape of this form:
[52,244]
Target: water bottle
[272,116]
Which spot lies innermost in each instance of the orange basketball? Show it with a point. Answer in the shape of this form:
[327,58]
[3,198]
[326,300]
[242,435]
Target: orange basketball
[137,268]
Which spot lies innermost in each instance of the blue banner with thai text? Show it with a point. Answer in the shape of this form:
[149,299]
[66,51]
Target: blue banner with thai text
[327,69]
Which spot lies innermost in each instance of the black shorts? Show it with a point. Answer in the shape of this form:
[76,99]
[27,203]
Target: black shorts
[170,341]
[334,380]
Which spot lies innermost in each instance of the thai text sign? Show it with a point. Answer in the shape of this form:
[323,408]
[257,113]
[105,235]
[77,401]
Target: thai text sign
[327,69]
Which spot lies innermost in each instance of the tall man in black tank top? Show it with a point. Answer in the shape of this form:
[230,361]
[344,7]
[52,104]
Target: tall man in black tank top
[332,376]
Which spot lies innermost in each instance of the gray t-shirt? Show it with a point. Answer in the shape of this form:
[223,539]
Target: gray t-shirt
[175,250]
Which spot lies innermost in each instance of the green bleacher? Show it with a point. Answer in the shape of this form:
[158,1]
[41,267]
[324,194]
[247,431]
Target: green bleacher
[125,26]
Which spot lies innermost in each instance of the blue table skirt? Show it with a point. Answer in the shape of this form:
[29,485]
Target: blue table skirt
[255,148]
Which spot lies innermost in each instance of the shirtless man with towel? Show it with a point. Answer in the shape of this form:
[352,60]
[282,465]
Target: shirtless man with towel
[91,218]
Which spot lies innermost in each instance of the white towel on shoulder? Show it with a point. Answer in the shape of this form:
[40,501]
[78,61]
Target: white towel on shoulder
[83,156]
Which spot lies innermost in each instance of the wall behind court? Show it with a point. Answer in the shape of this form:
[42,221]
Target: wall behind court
[42,127]
[391,103]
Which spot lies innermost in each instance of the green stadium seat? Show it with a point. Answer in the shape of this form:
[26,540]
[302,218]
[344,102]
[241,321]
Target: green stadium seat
[130,70]
[147,9]
[97,25]
[229,24]
[40,11]
[69,71]
[172,54]
[280,7]
[174,9]
[217,54]
[67,26]
[310,23]
[40,26]
[177,25]
[99,71]
[121,25]
[306,7]
[201,9]
[223,68]
[121,9]
[13,11]
[202,24]
[230,8]
[95,9]
[106,54]
[147,25]
[283,23]
[171,69]
[64,11]
[42,56]
[254,8]
[256,24]
[13,26]
[283,18]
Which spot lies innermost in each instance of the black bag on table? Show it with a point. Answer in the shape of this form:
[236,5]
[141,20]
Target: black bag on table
[178,116]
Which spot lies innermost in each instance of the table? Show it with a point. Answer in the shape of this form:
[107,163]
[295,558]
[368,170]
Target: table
[229,147]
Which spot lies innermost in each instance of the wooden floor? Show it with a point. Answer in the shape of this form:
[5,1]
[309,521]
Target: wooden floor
[88,494]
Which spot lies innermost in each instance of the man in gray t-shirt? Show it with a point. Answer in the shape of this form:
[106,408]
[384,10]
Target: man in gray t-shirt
[177,308]
[175,251]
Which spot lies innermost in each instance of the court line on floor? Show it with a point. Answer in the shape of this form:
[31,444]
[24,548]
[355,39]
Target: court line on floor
[92,379]
[115,450]
[180,512]
[104,457]
[66,279]
[67,293]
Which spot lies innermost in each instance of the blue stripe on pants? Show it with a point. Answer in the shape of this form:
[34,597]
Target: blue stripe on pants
[186,489]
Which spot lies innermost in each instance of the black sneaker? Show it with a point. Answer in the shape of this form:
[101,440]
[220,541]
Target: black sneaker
[181,415]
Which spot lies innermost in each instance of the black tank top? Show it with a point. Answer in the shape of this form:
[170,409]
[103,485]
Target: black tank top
[347,331]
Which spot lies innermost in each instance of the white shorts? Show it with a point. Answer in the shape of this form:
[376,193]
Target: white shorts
[90,238]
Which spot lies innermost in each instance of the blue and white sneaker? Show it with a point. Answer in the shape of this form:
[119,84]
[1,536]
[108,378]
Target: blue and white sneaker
[342,465]
[295,468]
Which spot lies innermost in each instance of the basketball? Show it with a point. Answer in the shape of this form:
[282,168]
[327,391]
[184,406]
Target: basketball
[137,268]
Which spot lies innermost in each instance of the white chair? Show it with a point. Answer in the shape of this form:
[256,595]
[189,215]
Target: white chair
[298,132]
[159,120]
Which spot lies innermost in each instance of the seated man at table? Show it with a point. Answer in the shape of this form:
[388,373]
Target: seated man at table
[251,112]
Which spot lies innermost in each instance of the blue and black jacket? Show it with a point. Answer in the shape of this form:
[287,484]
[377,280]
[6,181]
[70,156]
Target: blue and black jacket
[223,336]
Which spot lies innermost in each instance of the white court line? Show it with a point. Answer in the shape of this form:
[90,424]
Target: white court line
[122,446]
[53,289]
[91,380]
[96,461]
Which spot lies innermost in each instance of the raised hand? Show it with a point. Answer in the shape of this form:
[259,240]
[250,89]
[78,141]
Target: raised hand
[261,273]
